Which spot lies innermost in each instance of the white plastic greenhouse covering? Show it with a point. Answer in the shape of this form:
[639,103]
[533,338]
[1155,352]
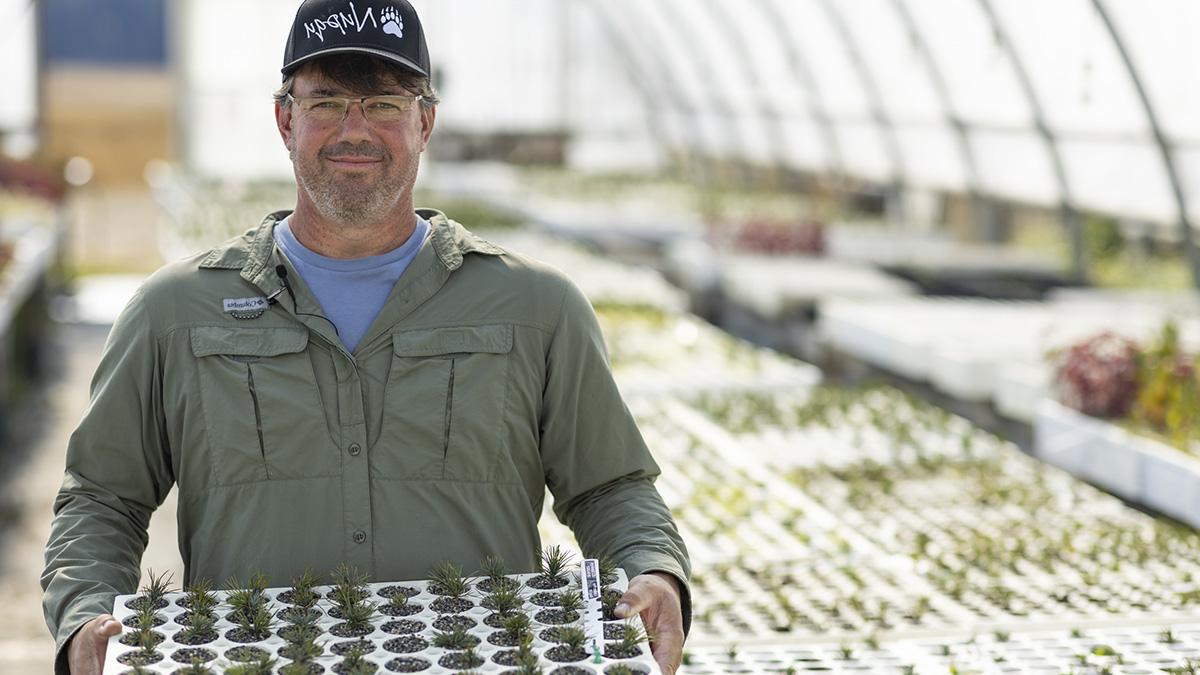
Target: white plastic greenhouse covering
[18,76]
[1092,104]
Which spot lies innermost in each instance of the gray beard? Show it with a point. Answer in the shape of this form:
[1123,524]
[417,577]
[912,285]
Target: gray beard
[353,204]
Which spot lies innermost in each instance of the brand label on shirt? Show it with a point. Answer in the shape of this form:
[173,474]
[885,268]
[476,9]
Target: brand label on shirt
[246,308]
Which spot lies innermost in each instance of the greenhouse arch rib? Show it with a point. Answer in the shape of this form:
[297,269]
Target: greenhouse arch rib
[816,103]
[655,122]
[1160,140]
[723,106]
[1070,214]
[871,89]
[777,137]
[969,161]
[692,134]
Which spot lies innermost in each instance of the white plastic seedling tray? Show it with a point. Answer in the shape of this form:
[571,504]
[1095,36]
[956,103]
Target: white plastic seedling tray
[381,653]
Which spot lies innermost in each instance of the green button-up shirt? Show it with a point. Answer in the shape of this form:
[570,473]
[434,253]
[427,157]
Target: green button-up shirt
[483,380]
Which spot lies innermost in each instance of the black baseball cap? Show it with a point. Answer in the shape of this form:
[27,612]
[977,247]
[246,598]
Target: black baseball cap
[389,29]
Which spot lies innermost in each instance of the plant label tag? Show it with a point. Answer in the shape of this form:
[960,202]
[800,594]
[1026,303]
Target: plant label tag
[593,612]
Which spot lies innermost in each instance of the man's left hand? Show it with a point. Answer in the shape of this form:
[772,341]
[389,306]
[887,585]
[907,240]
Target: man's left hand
[657,598]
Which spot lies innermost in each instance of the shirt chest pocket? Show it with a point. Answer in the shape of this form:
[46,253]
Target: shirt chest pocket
[444,405]
[262,407]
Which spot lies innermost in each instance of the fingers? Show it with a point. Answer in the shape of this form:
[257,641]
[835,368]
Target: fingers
[90,645]
[644,592]
[668,648]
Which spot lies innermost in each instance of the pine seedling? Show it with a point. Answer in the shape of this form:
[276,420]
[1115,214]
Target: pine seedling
[257,623]
[554,562]
[633,636]
[570,601]
[505,601]
[200,628]
[448,580]
[154,592]
[573,639]
[300,626]
[458,638]
[355,663]
[147,618]
[200,597]
[359,615]
[398,602]
[518,627]
[302,592]
[304,650]
[263,666]
[495,574]
[608,570]
[349,576]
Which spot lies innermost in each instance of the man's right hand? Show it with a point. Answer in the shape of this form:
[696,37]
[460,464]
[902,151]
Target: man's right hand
[89,645]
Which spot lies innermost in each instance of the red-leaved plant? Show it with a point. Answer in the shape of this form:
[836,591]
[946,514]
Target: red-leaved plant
[1098,376]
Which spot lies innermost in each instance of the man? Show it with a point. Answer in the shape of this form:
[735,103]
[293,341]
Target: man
[354,382]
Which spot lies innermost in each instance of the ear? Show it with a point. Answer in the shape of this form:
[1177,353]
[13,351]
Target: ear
[428,117]
[283,120]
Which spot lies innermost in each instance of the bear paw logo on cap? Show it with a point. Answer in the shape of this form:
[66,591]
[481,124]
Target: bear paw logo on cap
[392,23]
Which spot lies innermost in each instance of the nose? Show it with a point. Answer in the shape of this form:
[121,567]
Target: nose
[354,124]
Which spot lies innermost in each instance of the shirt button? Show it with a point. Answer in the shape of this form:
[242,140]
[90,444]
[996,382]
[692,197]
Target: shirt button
[354,449]
[360,536]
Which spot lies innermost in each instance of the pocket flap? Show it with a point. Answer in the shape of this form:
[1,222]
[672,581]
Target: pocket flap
[210,340]
[497,339]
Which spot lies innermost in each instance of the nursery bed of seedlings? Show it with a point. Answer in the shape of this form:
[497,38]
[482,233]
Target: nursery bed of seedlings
[1123,650]
[850,513]
[493,623]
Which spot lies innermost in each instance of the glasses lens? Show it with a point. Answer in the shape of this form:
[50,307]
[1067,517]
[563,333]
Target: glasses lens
[387,108]
[324,109]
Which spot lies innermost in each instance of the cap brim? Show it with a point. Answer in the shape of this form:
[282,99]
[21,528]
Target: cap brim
[394,58]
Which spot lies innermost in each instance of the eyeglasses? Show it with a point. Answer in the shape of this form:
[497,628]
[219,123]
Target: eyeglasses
[333,109]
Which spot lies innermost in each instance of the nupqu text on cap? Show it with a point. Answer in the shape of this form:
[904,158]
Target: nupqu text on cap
[389,29]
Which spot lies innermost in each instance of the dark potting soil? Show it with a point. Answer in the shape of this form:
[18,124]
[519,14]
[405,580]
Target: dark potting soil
[296,634]
[389,591]
[564,654]
[244,653]
[507,657]
[130,639]
[550,634]
[636,668]
[451,605]
[404,610]
[570,670]
[132,620]
[546,599]
[140,658]
[545,582]
[496,620]
[403,627]
[493,585]
[294,613]
[449,622]
[407,664]
[614,631]
[437,589]
[612,652]
[191,654]
[185,619]
[488,603]
[341,668]
[343,648]
[460,660]
[142,602]
[243,636]
[556,617]
[196,638]
[344,630]
[361,593]
[502,638]
[408,644]
[609,579]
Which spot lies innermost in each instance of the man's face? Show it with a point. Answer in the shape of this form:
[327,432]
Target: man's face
[359,171]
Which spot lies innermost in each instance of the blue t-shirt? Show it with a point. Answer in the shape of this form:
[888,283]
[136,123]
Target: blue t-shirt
[350,292]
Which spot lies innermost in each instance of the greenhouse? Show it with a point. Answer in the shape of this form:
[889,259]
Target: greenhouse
[852,336]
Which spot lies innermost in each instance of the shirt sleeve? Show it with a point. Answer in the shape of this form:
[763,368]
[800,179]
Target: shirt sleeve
[597,465]
[118,471]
